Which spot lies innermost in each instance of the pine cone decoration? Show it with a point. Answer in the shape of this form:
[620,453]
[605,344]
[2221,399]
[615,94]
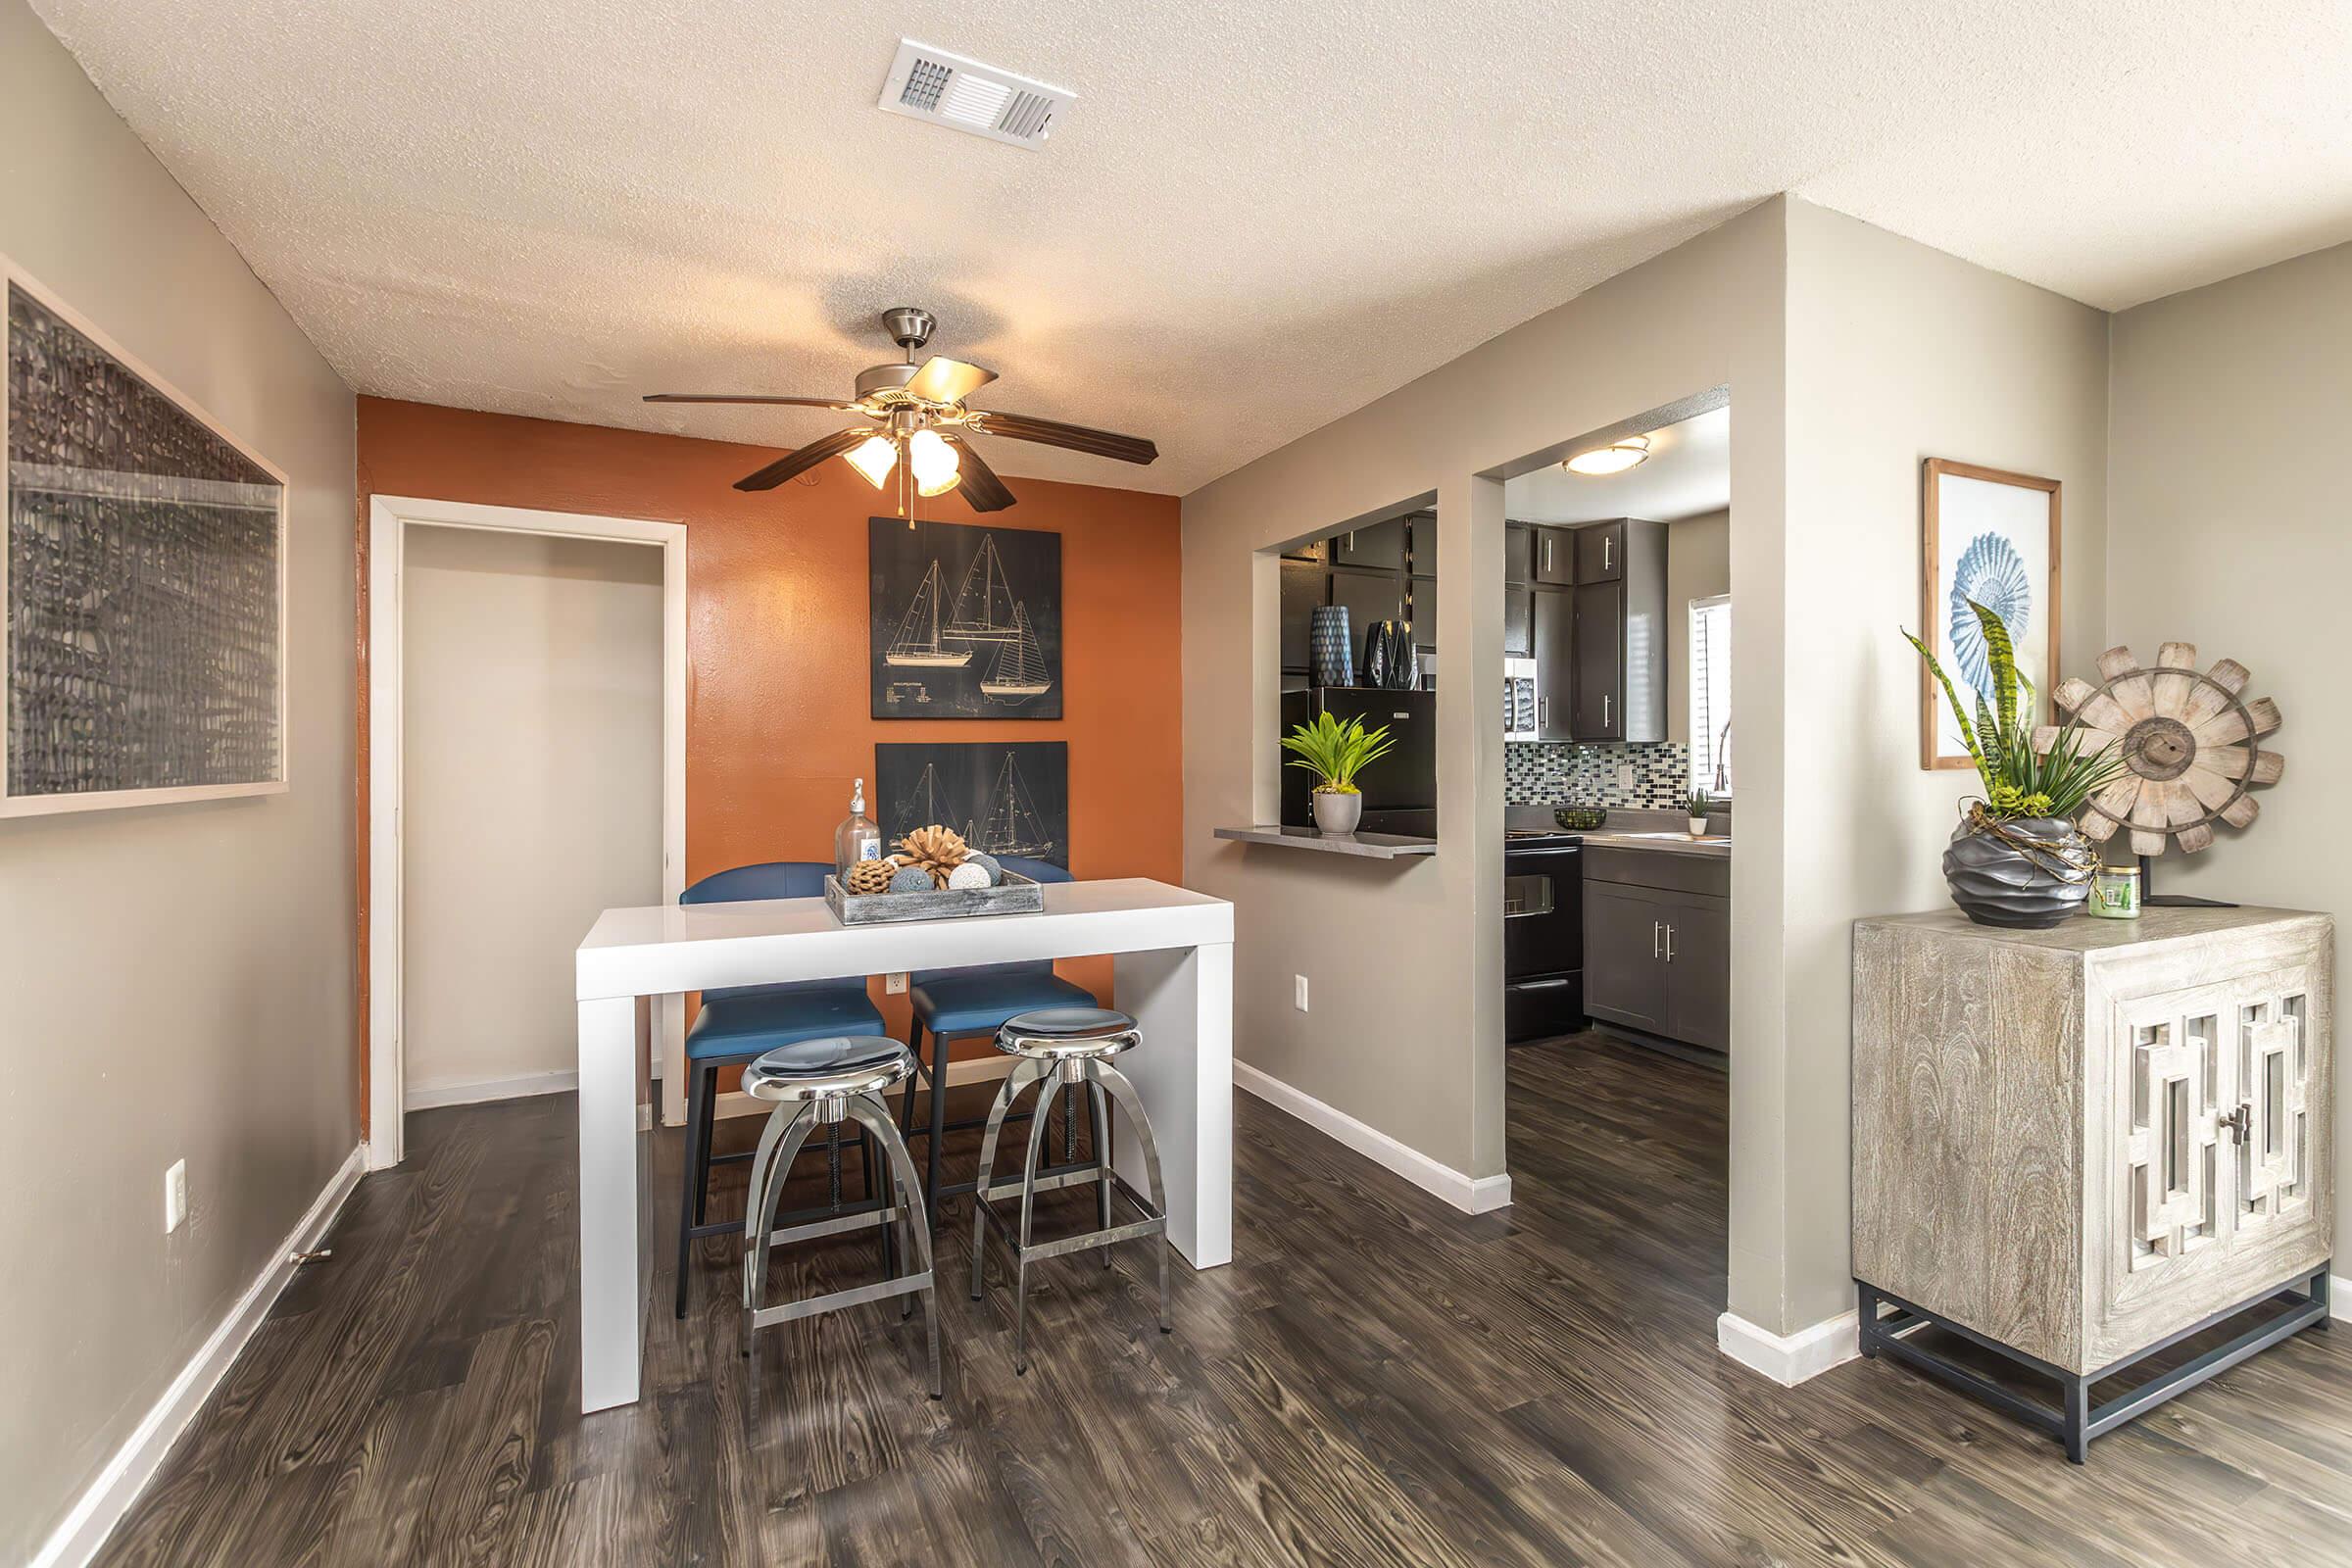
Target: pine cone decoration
[870,876]
[937,849]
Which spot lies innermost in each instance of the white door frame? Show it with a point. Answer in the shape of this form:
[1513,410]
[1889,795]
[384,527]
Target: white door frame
[388,518]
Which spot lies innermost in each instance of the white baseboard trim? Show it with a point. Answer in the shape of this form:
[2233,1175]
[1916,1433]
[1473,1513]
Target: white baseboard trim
[1471,1194]
[476,1091]
[118,1482]
[2337,1306]
[1790,1358]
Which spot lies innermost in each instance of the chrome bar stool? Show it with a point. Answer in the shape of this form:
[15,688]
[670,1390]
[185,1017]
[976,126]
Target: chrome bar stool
[821,1083]
[1065,1048]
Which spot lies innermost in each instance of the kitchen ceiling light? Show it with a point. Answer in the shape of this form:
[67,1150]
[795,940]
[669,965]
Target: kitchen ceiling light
[1630,453]
[874,457]
[934,463]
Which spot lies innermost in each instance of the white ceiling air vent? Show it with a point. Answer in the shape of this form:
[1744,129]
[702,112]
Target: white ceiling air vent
[927,84]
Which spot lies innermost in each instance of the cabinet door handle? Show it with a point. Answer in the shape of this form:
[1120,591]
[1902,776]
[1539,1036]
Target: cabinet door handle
[1547,551]
[1605,711]
[1670,944]
[1607,545]
[1654,928]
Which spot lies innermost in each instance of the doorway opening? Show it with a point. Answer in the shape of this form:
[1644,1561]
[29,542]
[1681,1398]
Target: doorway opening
[526,770]
[1617,688]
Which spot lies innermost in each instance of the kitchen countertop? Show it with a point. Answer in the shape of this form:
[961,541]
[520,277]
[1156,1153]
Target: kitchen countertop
[1665,832]
[1668,841]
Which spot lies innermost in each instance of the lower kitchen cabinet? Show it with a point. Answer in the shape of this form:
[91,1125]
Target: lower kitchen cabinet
[1658,944]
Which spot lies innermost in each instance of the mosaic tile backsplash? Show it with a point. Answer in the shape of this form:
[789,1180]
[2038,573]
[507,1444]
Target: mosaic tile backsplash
[1531,770]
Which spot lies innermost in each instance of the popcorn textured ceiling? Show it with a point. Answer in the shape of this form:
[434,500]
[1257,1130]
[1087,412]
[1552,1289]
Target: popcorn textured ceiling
[1257,219]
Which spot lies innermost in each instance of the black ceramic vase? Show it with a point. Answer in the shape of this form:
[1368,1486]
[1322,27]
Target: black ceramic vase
[2031,874]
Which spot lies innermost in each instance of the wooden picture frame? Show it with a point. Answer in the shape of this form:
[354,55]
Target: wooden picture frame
[1983,530]
[145,660]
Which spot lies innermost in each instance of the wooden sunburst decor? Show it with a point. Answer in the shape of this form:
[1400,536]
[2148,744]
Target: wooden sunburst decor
[2190,741]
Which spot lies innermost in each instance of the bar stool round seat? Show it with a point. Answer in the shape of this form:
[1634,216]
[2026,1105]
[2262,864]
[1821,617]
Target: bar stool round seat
[836,1066]
[1067,1034]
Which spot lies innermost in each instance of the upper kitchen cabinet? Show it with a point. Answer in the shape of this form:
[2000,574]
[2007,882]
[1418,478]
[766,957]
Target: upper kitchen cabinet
[1369,596]
[1518,560]
[1378,546]
[1301,593]
[1554,560]
[1551,638]
[1600,548]
[1618,683]
[1518,622]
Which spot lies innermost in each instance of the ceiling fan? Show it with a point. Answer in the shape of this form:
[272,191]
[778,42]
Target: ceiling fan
[920,424]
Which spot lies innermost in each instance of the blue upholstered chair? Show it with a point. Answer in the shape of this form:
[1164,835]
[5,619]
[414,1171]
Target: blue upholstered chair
[952,1005]
[739,1024]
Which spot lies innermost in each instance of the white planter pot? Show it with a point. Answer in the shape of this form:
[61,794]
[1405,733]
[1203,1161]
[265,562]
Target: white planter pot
[1336,812]
[1698,827]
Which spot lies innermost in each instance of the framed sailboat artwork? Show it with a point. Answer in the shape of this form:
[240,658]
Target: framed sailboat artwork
[1005,797]
[965,623]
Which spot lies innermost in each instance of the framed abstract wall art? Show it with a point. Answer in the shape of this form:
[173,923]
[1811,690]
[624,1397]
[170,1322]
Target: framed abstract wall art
[965,623]
[1991,536]
[143,581]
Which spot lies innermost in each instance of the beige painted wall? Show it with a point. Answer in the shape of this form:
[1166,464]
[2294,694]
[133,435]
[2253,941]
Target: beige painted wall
[1897,352]
[1405,958]
[1698,565]
[2227,481]
[178,979]
[532,739]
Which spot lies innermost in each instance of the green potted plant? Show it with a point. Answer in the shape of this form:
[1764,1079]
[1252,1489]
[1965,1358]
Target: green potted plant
[1335,753]
[2018,858]
[1702,803]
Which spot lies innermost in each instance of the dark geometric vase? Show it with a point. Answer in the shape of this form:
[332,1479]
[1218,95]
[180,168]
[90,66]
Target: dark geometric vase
[1375,667]
[2032,874]
[1327,639]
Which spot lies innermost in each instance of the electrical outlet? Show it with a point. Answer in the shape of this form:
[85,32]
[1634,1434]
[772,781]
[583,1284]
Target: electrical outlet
[176,1196]
[895,985]
[1299,992]
[1625,775]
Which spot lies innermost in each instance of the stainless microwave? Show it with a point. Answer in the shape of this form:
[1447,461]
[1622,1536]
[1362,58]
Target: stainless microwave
[1520,703]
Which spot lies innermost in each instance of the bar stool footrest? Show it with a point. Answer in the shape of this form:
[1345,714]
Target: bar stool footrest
[834,1300]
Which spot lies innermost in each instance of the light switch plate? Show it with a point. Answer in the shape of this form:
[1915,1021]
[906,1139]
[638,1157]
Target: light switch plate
[176,1196]
[1299,992]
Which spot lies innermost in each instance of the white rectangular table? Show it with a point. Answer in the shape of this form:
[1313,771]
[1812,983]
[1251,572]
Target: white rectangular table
[1173,971]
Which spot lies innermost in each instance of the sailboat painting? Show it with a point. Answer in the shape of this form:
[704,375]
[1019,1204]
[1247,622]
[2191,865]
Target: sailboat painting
[1005,798]
[965,623]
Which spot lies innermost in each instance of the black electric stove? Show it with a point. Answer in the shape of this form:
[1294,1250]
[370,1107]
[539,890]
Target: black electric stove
[1542,933]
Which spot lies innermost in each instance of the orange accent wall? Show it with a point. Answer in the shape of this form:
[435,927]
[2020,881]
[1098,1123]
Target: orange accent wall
[776,612]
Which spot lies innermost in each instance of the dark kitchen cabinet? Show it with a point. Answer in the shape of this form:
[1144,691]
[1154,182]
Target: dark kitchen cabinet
[1601,550]
[1597,681]
[1421,608]
[1369,596]
[1518,622]
[1421,543]
[1658,944]
[1554,557]
[1620,645]
[1625,973]
[1551,642]
[1378,546]
[1301,593]
[1518,562]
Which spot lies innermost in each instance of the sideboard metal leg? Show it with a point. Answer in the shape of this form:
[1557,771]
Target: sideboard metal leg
[2076,1433]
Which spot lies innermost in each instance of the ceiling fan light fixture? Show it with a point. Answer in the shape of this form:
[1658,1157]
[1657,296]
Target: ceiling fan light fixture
[934,463]
[874,458]
[1615,458]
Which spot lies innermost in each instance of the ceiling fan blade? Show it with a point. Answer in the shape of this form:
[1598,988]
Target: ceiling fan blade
[1053,433]
[980,485]
[806,458]
[946,381]
[748,397]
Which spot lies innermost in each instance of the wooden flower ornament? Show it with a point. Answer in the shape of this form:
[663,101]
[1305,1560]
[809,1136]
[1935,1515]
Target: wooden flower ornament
[2190,741]
[937,849]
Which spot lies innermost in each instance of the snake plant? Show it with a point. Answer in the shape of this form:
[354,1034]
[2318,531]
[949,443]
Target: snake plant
[2055,779]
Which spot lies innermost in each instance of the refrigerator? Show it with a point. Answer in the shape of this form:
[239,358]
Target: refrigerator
[1401,790]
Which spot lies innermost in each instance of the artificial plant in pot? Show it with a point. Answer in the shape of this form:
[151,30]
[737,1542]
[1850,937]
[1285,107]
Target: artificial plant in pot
[1701,802]
[1335,753]
[2018,858]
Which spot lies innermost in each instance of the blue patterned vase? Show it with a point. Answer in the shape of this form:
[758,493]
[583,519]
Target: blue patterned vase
[1327,644]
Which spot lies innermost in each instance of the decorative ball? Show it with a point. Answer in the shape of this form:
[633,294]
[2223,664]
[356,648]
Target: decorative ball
[988,864]
[870,876]
[910,879]
[968,876]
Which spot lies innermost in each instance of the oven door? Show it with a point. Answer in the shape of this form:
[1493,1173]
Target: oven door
[1543,912]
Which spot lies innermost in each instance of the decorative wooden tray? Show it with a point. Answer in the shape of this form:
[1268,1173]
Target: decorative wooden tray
[1015,895]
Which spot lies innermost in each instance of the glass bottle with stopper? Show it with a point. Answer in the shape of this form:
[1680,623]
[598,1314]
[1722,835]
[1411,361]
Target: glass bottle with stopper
[857,839]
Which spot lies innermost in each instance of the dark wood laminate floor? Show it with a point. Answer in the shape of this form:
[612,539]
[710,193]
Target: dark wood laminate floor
[1377,1380]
